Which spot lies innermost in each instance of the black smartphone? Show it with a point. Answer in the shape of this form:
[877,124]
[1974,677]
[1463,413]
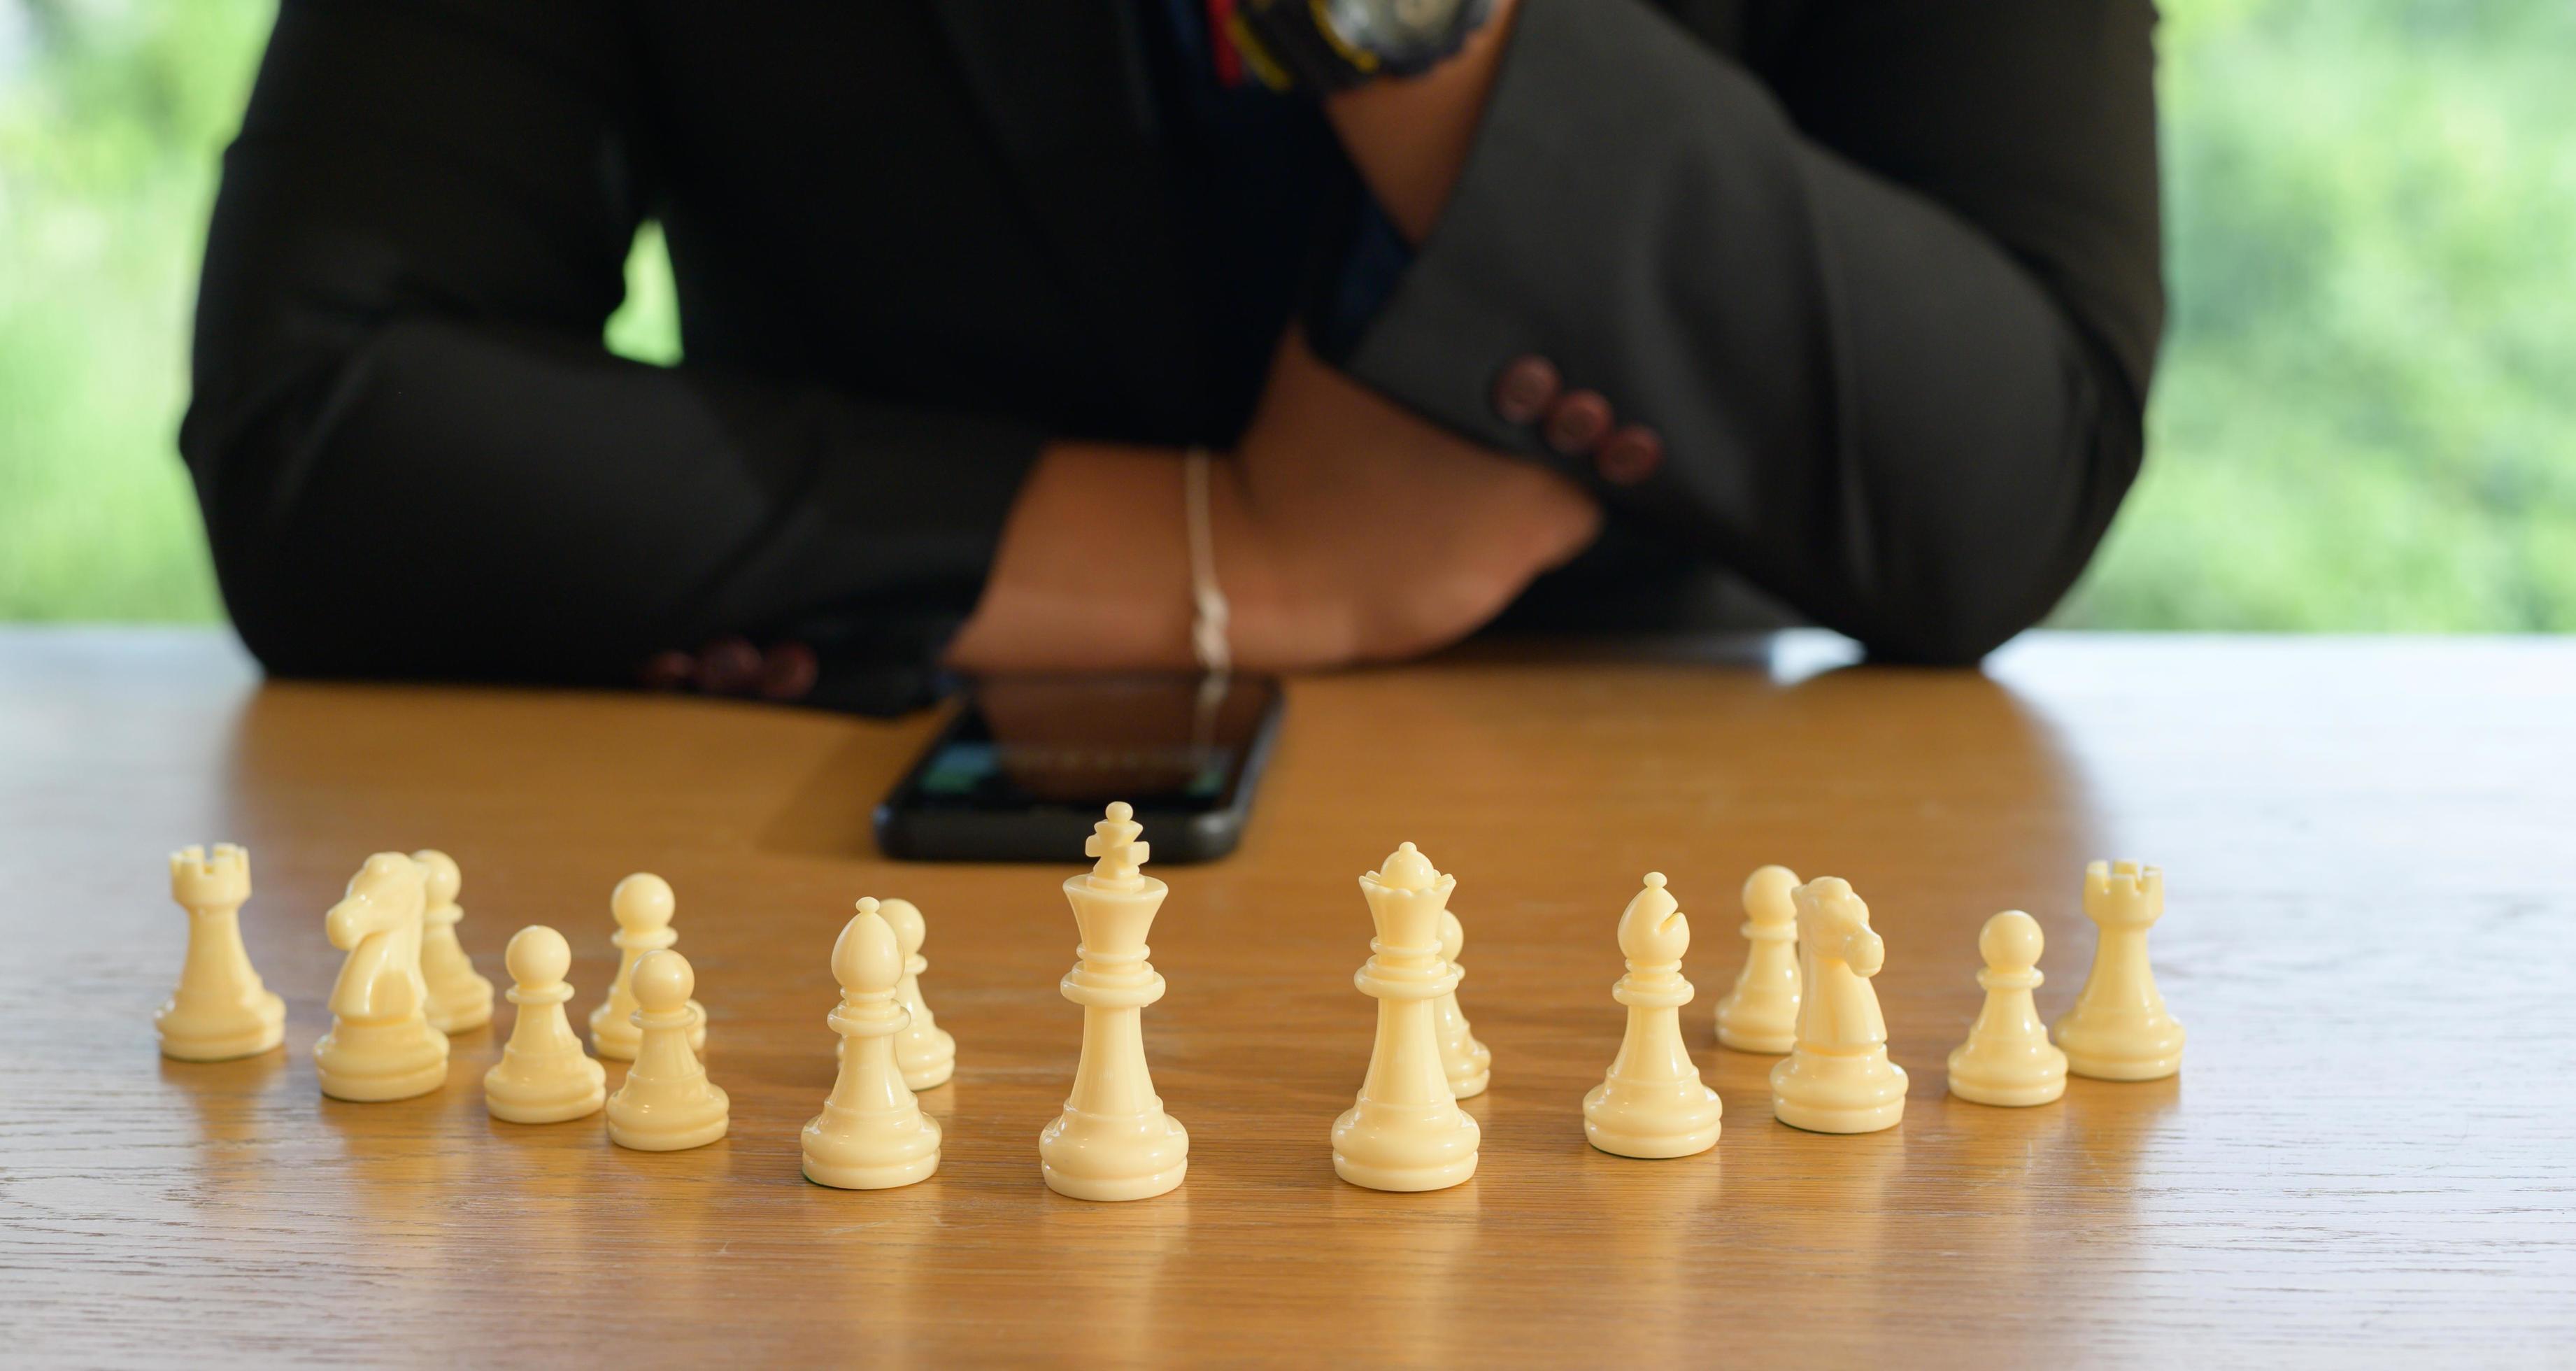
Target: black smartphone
[1026,765]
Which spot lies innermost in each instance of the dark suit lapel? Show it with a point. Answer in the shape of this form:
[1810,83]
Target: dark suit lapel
[1063,88]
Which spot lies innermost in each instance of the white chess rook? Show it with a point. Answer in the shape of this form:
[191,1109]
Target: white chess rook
[1838,1078]
[219,1010]
[1113,1141]
[543,1075]
[1652,1104]
[380,1046]
[2119,1029]
[871,1134]
[1405,1131]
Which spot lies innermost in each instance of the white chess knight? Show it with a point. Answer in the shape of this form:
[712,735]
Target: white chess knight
[459,999]
[380,1046]
[1406,1131]
[2119,1029]
[1837,1078]
[220,1010]
[543,1075]
[643,905]
[1652,1103]
[1113,1141]
[871,1134]
[1761,1013]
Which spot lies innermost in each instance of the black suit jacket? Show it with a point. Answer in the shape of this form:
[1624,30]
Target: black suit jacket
[1882,275]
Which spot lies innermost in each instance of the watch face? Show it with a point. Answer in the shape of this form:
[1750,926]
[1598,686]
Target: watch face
[1396,30]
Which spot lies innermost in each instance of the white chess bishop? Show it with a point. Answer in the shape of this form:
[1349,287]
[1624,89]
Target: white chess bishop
[380,1046]
[220,1010]
[1406,1131]
[871,1134]
[1113,1141]
[1652,1104]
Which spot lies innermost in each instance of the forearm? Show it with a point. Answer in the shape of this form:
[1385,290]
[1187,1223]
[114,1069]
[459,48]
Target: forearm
[1409,138]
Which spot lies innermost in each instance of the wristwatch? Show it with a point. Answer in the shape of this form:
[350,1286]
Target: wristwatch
[1329,45]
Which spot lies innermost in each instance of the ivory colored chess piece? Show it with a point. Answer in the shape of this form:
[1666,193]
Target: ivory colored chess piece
[1405,1131]
[1761,1013]
[1113,1141]
[1837,1078]
[643,905]
[543,1075]
[2007,1059]
[1468,1063]
[2118,1029]
[927,1052]
[667,1103]
[1652,1103]
[380,1046]
[459,999]
[219,1010]
[871,1134]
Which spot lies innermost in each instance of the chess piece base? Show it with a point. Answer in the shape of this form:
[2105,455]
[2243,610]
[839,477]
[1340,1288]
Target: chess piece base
[928,1061]
[1469,1086]
[854,1177]
[646,1129]
[617,1038]
[555,1101]
[1626,1121]
[2121,1052]
[872,1163]
[1762,1044]
[247,1032]
[1821,1092]
[367,1068]
[1089,1158]
[460,1014]
[1382,1149]
[2013,1095]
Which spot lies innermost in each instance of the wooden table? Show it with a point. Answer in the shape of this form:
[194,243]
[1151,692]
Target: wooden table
[2371,1150]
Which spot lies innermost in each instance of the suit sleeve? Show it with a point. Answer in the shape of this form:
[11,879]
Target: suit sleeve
[1891,306]
[414,455]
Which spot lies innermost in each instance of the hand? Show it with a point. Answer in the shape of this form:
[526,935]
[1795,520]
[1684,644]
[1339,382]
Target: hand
[1353,530]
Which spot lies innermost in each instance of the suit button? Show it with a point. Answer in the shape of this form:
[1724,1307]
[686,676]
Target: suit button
[1577,422]
[728,666]
[787,672]
[1525,389]
[1630,455]
[667,670]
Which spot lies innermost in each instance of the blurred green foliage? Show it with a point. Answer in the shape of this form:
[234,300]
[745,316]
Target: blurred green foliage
[2366,417]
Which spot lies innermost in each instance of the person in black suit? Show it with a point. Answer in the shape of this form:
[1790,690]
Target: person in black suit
[1599,314]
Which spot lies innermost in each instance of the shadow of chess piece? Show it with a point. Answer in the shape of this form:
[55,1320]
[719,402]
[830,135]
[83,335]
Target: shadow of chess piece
[220,1010]
[380,1046]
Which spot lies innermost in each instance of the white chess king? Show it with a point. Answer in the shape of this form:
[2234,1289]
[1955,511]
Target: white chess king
[543,1075]
[2119,1029]
[1406,1131]
[871,1134]
[1837,1078]
[1113,1141]
[643,905]
[1761,1013]
[459,999]
[380,1046]
[1652,1104]
[219,1010]
[2006,1059]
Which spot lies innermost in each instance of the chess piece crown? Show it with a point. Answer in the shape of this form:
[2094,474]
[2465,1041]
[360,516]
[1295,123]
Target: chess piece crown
[1653,935]
[867,966]
[1406,897]
[203,880]
[1113,907]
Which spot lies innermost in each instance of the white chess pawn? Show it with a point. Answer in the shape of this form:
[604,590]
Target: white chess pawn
[2006,1059]
[2119,1029]
[1113,1141]
[1761,1013]
[380,1046]
[927,1051]
[1652,1103]
[667,1104]
[543,1075]
[643,905]
[1405,1131]
[1837,1078]
[871,1134]
[1468,1063]
[459,999]
[220,1010]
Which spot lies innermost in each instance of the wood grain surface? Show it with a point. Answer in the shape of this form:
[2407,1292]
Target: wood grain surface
[2370,1154]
